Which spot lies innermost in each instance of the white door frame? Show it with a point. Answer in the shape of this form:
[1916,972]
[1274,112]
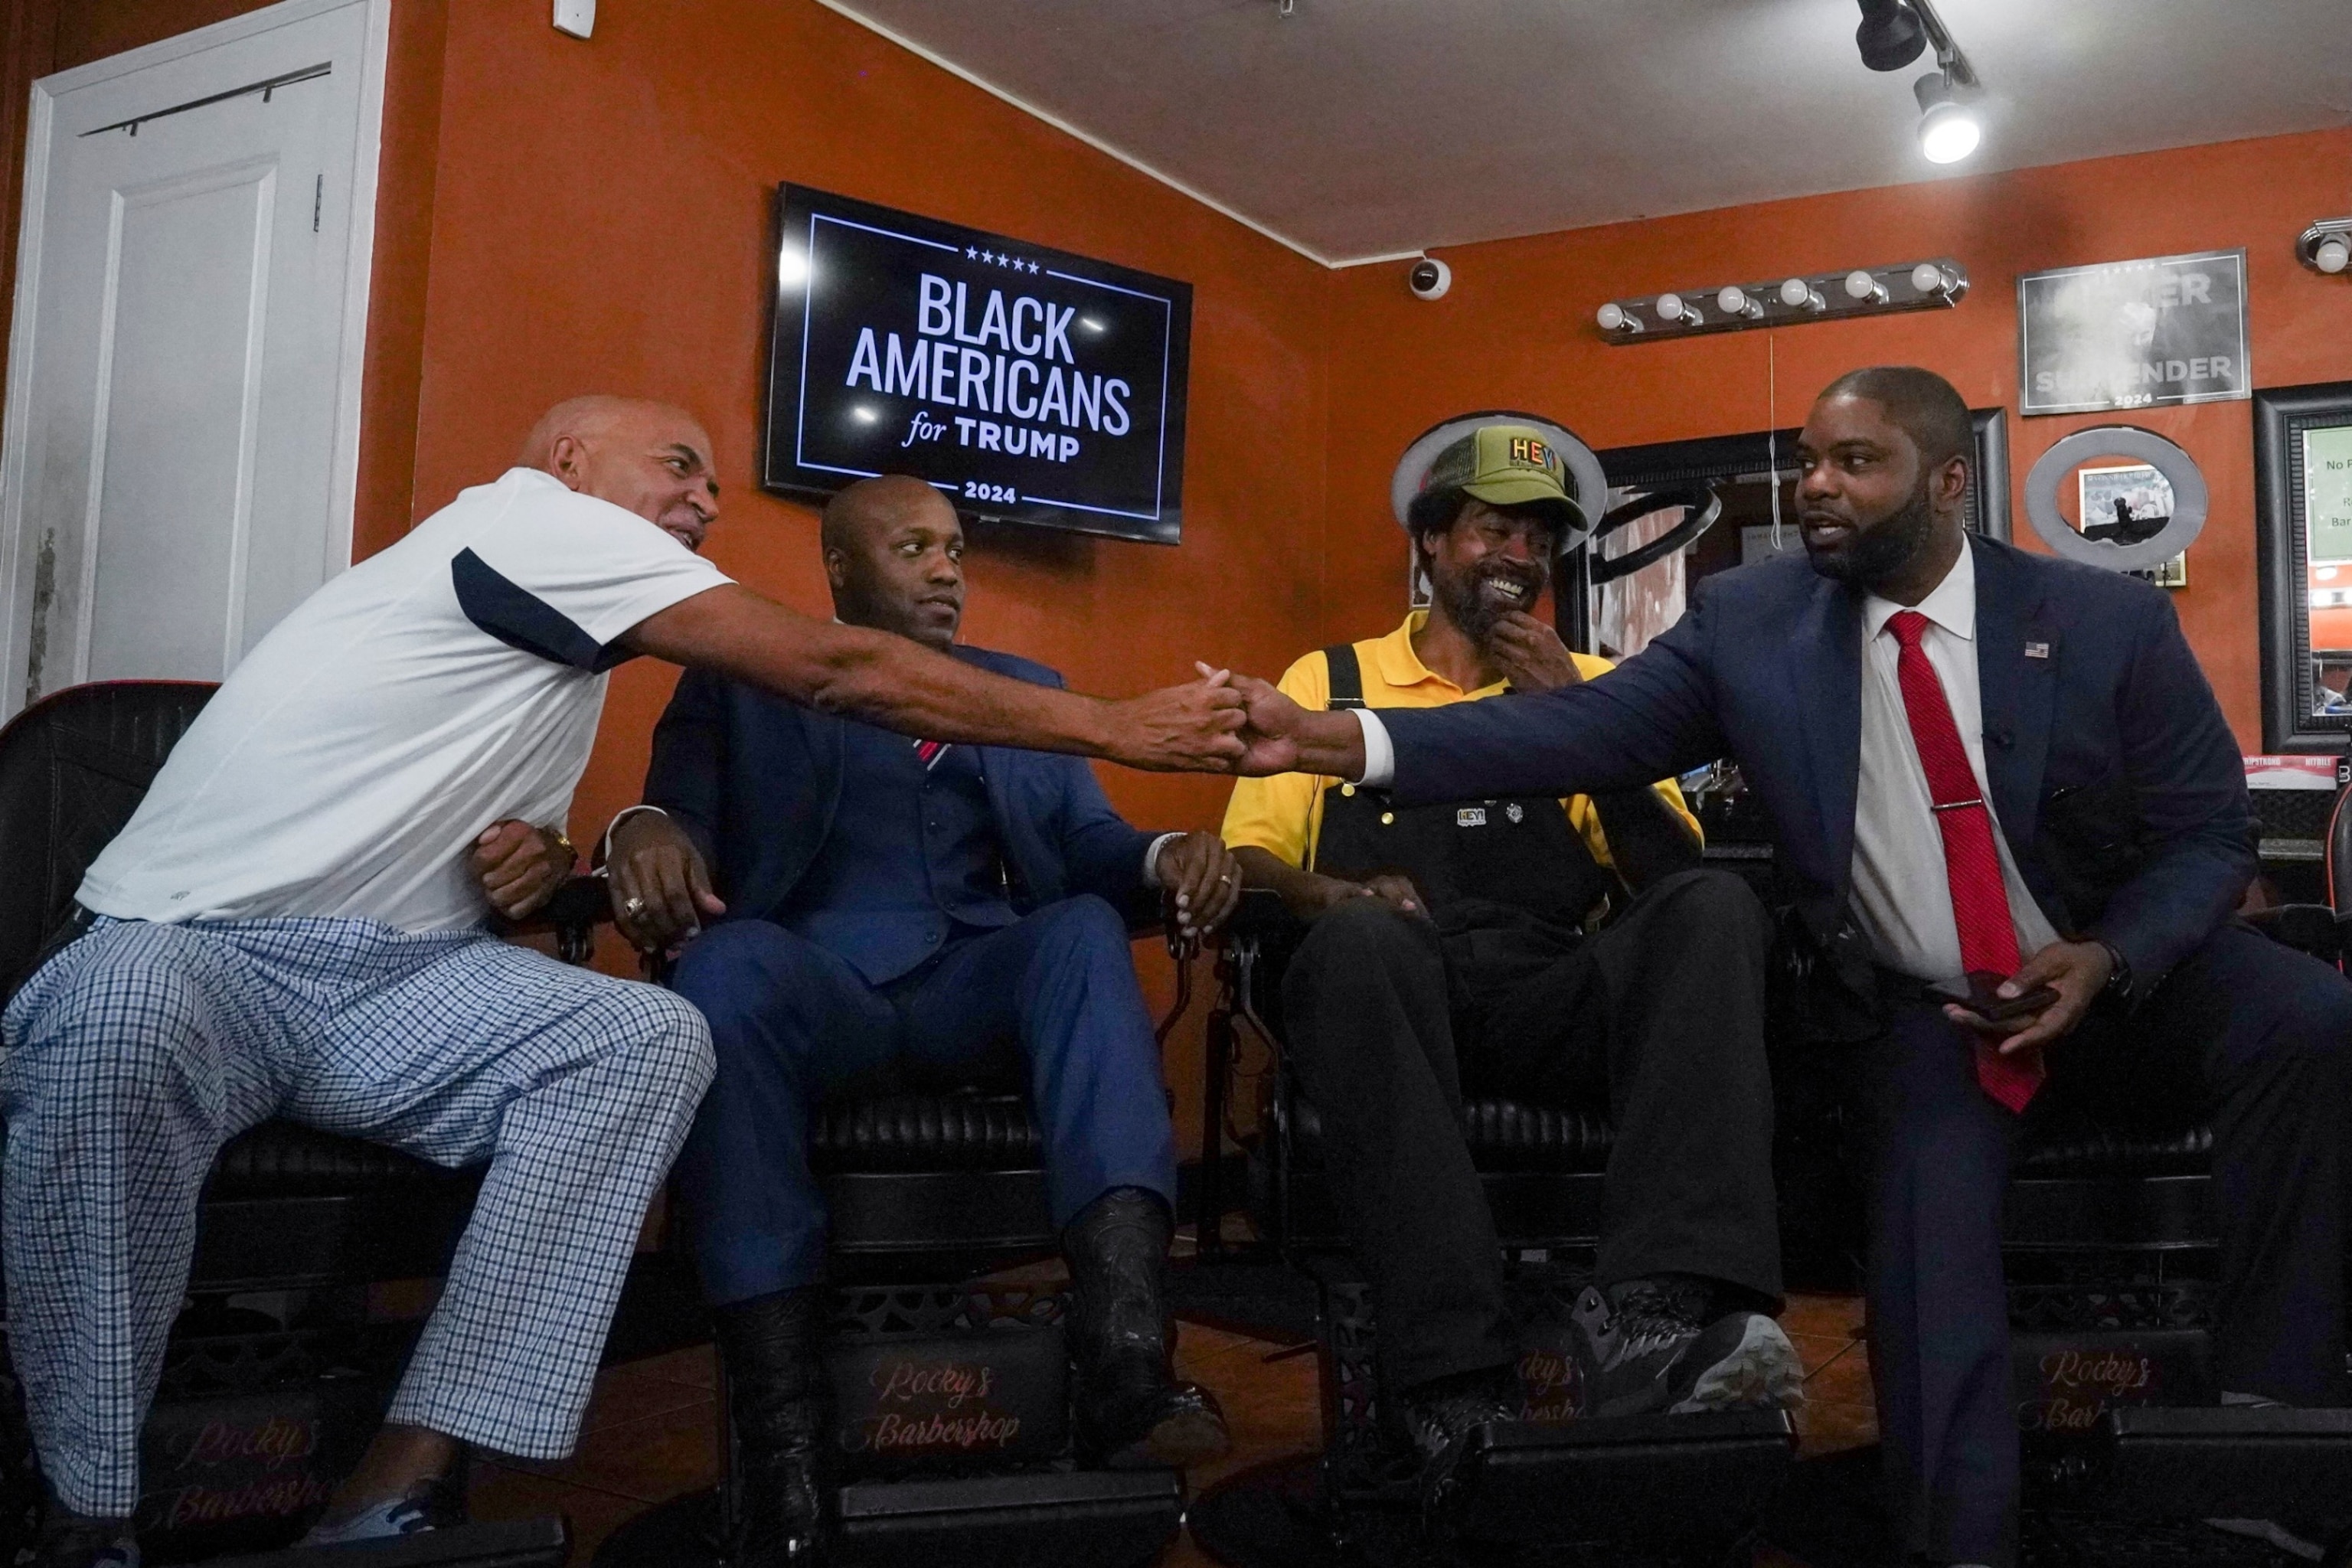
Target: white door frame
[343,491]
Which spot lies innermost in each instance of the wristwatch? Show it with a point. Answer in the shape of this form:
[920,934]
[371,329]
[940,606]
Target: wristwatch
[2118,987]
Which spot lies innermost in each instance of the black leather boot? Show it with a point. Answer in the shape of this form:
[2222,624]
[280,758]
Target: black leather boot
[770,1350]
[1131,1413]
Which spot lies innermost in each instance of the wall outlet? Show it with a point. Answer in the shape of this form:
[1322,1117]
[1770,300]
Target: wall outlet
[577,17]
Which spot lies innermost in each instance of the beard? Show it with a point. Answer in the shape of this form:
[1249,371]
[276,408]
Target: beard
[1474,612]
[1872,554]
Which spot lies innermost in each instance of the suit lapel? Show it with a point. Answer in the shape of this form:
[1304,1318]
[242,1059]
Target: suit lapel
[1825,672]
[2017,663]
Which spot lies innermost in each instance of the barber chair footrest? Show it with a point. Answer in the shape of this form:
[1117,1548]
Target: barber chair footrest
[1113,1519]
[1638,1477]
[543,1542]
[2217,1462]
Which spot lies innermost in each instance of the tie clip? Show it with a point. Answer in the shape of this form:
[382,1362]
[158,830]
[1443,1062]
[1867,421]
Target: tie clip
[1954,804]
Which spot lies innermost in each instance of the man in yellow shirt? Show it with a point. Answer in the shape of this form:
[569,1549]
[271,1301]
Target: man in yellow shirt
[1567,950]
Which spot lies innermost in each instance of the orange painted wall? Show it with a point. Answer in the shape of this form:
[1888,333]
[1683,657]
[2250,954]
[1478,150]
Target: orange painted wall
[1517,331]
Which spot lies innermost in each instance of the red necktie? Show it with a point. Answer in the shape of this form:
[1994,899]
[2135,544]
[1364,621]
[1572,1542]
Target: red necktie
[1971,864]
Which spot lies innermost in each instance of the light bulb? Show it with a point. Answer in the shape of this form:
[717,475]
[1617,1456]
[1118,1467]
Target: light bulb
[1860,285]
[1614,317]
[2333,254]
[1796,291]
[1949,133]
[1670,307]
[1926,277]
[1737,301]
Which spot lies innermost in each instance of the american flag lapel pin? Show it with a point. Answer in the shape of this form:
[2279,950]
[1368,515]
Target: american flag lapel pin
[2037,651]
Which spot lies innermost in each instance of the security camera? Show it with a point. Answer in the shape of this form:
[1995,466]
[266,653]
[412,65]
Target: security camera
[1430,278]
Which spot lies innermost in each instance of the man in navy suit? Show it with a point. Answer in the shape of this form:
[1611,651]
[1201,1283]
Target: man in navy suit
[879,911]
[1977,760]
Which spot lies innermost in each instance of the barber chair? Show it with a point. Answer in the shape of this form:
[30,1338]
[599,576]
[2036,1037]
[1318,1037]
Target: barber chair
[277,1372]
[950,1389]
[1620,1490]
[2112,1237]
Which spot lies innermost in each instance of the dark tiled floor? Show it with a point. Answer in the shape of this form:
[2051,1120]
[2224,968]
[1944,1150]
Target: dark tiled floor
[651,1433]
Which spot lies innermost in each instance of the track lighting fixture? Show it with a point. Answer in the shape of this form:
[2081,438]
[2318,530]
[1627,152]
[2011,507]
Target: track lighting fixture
[1864,291]
[1893,34]
[1890,37]
[1949,130]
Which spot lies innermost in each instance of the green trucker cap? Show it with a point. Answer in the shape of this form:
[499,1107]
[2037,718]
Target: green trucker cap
[1506,465]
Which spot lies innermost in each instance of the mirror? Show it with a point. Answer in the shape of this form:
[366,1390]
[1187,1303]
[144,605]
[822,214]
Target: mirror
[2136,500]
[2303,459]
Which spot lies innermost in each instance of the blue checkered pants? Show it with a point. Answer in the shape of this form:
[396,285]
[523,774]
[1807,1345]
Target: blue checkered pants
[141,1048]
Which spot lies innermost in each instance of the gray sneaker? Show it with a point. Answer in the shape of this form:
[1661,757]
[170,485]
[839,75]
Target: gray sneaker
[1739,1361]
[1627,1343]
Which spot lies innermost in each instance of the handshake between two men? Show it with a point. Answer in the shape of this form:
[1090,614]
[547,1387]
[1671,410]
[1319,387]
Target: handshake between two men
[661,886]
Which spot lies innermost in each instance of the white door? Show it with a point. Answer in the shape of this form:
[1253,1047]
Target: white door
[180,454]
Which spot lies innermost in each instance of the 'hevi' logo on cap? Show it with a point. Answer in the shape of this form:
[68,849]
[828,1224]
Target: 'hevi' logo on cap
[1528,450]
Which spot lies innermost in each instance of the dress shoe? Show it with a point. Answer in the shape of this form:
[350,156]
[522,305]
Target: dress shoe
[1130,1411]
[771,1350]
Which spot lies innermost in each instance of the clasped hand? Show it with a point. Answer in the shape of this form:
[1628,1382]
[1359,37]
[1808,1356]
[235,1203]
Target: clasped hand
[2077,971]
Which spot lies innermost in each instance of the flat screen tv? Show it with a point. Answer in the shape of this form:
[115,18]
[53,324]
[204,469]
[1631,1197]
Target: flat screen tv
[1027,383]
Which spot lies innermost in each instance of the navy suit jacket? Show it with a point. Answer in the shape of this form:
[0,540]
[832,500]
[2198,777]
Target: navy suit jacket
[2118,786]
[755,780]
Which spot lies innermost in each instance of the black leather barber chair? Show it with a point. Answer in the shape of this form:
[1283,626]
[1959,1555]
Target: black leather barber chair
[2111,1239]
[277,1372]
[952,1390]
[1623,1490]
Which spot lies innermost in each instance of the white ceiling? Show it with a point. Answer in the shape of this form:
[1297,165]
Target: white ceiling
[1361,129]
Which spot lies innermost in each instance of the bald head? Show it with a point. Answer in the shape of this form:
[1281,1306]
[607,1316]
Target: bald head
[894,555]
[652,458]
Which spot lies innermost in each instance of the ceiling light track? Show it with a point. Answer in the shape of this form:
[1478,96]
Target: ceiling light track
[1934,285]
[1893,34]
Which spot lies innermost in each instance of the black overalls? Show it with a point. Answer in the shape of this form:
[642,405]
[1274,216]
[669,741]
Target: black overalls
[1657,1017]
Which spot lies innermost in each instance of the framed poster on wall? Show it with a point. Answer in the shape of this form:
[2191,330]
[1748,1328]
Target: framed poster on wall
[1028,384]
[2302,526]
[2132,334]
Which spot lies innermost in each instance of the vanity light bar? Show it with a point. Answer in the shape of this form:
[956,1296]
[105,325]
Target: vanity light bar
[1933,285]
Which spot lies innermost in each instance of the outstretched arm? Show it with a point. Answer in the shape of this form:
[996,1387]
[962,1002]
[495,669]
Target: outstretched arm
[901,685]
[1652,717]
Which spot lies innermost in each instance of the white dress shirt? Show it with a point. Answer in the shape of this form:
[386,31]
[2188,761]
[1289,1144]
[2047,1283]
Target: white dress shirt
[1902,897]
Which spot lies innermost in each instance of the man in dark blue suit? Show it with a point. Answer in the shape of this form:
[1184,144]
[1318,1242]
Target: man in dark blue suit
[1994,777]
[880,911]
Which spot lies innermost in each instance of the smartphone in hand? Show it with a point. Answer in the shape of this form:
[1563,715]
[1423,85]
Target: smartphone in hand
[1978,991]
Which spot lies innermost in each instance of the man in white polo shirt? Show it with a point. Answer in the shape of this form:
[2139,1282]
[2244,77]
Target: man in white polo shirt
[291,925]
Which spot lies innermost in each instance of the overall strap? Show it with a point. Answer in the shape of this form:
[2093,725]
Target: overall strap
[1347,677]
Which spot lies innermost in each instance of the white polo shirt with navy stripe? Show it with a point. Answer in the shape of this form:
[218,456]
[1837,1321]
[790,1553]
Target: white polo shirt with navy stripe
[347,765]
